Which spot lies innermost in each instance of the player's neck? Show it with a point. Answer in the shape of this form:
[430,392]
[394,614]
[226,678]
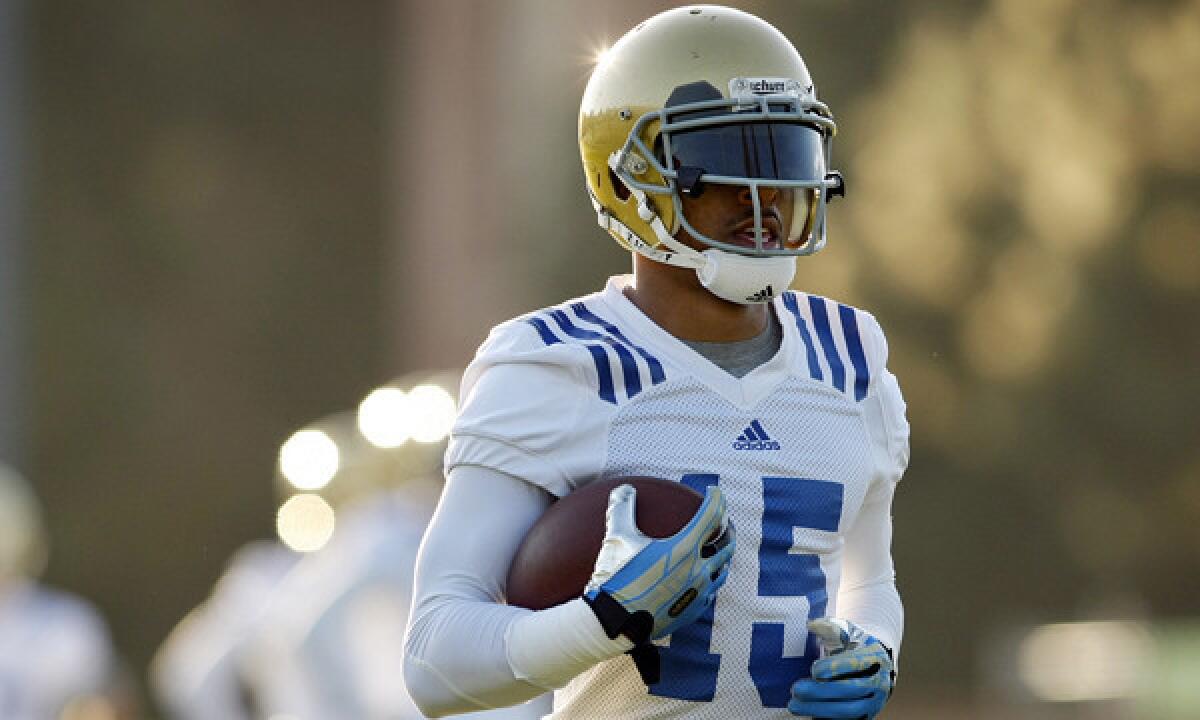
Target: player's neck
[676,301]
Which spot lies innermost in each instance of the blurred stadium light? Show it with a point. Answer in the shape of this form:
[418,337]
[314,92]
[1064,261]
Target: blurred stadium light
[432,411]
[319,636]
[1083,661]
[382,415]
[309,459]
[389,416]
[305,522]
[1131,668]
[346,455]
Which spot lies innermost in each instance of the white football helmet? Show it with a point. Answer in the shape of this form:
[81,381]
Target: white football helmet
[707,95]
[22,538]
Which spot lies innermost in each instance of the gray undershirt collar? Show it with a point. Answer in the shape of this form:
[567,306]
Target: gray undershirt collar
[741,357]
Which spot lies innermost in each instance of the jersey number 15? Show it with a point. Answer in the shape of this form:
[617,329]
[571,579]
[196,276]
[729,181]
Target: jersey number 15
[689,668]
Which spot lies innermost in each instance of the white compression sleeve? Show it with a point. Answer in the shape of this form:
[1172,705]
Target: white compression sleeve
[867,593]
[464,649]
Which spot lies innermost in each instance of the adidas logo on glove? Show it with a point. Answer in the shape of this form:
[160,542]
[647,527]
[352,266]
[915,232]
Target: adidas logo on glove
[755,438]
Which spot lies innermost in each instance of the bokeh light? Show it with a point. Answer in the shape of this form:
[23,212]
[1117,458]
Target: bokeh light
[383,417]
[309,459]
[432,413]
[1074,662]
[305,522]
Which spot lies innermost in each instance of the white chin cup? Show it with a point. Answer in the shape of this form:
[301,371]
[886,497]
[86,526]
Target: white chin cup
[746,280]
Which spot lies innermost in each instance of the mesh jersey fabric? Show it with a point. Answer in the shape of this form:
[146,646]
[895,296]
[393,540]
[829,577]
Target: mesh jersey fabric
[592,389]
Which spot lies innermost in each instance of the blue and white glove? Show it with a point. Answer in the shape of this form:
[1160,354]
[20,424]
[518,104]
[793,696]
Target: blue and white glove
[852,680]
[646,588]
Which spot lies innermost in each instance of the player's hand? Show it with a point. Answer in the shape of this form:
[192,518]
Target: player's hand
[646,588]
[853,679]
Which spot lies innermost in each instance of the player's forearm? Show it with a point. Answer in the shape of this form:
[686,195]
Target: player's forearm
[466,655]
[867,593]
[466,650]
[455,659]
[877,609]
[550,647]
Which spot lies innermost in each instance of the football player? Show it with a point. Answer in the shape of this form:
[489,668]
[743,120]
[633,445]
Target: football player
[312,636]
[56,658]
[706,154]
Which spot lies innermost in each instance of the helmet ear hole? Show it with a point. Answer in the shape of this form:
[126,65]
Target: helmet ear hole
[619,187]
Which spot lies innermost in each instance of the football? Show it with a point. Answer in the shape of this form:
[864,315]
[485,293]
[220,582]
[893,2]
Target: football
[557,556]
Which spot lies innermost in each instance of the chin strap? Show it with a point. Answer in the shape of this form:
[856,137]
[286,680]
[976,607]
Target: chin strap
[679,255]
[734,278]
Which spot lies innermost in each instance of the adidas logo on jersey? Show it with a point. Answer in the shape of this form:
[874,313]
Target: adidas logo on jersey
[754,438]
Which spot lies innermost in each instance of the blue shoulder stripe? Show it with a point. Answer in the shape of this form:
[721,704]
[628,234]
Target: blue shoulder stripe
[814,365]
[599,357]
[821,321]
[857,357]
[547,337]
[629,369]
[656,369]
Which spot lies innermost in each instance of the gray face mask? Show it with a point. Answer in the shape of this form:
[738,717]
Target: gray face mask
[779,142]
[734,277]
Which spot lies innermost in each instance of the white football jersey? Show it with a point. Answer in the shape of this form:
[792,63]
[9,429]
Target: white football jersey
[330,646]
[314,637]
[54,648]
[593,388]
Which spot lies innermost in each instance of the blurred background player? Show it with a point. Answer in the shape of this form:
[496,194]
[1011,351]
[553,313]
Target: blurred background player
[318,635]
[199,672]
[56,659]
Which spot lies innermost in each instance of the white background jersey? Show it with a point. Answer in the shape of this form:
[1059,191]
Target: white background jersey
[197,673]
[311,637]
[802,446]
[54,648]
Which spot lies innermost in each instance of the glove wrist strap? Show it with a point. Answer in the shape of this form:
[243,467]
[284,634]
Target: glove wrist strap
[616,620]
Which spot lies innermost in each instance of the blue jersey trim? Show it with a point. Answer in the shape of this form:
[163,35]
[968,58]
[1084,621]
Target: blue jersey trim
[629,368]
[656,369]
[599,357]
[547,336]
[556,325]
[857,357]
[825,333]
[814,365]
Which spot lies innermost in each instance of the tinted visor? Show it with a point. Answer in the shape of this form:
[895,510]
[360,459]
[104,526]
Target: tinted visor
[759,150]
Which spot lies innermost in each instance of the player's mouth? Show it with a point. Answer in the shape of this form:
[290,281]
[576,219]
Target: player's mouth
[743,235]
